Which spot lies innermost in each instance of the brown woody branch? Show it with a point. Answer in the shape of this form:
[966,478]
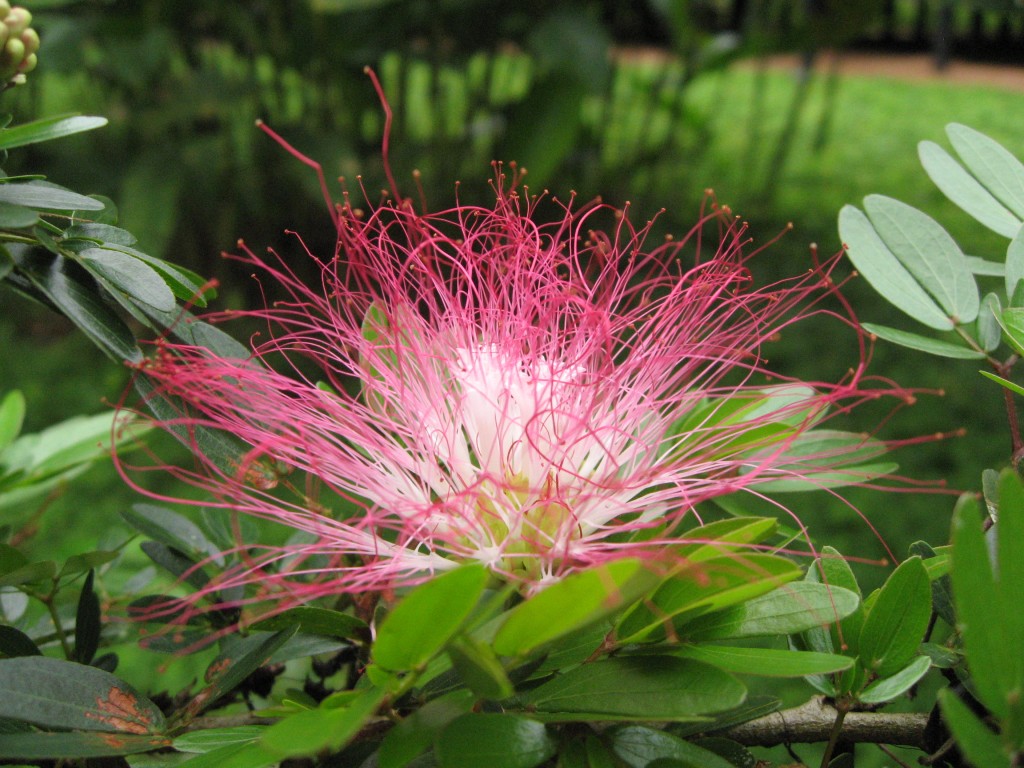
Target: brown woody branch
[812,722]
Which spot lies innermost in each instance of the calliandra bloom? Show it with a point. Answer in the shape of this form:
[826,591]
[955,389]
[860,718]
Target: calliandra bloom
[474,386]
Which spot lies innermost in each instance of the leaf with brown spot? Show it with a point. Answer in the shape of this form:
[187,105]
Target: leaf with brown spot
[37,745]
[62,694]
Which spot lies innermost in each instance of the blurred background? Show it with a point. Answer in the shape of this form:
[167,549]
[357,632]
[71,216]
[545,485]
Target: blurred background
[788,109]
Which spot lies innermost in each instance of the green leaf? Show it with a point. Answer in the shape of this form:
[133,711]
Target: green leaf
[936,347]
[975,739]
[480,669]
[14,642]
[12,416]
[896,623]
[722,536]
[1003,382]
[214,738]
[325,728]
[641,687]
[980,616]
[84,307]
[85,561]
[316,621]
[574,602]
[47,129]
[87,622]
[989,331]
[427,618]
[105,234]
[1015,262]
[639,746]
[46,196]
[705,587]
[783,611]
[929,254]
[494,740]
[417,732]
[766,662]
[985,268]
[139,282]
[76,744]
[170,528]
[964,190]
[833,569]
[1008,566]
[17,216]
[883,270]
[896,684]
[62,694]
[176,563]
[992,164]
[1012,322]
[251,755]
[229,669]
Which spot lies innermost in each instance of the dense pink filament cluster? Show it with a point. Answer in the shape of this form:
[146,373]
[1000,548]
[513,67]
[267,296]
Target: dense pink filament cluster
[472,385]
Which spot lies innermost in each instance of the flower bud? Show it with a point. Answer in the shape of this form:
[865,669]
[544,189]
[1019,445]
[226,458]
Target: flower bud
[31,40]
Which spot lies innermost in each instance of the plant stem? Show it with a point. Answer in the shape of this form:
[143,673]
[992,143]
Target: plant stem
[842,707]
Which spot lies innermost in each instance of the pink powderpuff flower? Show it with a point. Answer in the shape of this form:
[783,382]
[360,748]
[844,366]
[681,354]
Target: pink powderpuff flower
[473,385]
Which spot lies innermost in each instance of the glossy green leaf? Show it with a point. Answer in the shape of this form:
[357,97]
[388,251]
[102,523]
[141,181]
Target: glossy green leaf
[12,415]
[964,190]
[170,528]
[929,253]
[250,755]
[883,270]
[316,621]
[722,536]
[176,563]
[87,622]
[138,281]
[644,687]
[417,732]
[704,587]
[574,602]
[229,669]
[315,730]
[936,347]
[46,196]
[14,642]
[896,623]
[84,307]
[17,216]
[47,129]
[980,617]
[752,708]
[480,669]
[427,618]
[767,662]
[62,694]
[496,741]
[998,170]
[783,611]
[210,739]
[833,569]
[77,744]
[896,684]
[639,746]
[974,738]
